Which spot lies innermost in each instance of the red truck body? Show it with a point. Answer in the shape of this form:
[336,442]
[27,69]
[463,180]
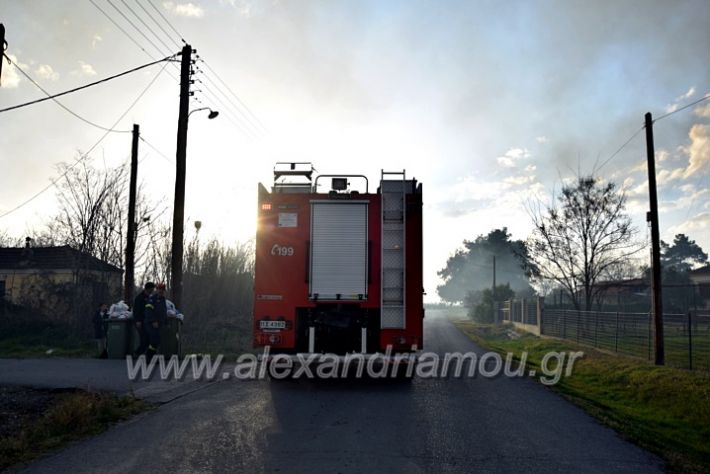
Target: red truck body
[334,273]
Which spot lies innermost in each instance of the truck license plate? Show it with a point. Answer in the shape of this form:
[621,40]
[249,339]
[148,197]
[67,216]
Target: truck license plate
[272,324]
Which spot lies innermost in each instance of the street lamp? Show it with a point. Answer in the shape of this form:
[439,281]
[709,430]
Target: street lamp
[213,113]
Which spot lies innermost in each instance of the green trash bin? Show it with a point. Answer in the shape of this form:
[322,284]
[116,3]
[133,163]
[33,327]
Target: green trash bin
[118,337]
[135,338]
[170,337]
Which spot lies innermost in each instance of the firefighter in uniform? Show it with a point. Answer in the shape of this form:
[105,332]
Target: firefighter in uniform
[156,313]
[139,316]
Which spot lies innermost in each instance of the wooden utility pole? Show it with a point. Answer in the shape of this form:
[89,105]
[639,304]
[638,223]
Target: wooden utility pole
[652,217]
[493,295]
[2,46]
[180,169]
[129,282]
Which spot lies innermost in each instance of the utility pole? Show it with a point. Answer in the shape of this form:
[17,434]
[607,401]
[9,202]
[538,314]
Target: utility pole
[494,276]
[2,45]
[652,217]
[493,295]
[180,168]
[131,227]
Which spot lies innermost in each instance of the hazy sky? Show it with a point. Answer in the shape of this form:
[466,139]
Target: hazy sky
[486,103]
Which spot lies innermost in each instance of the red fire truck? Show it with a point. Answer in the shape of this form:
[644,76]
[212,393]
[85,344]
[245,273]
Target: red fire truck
[338,267]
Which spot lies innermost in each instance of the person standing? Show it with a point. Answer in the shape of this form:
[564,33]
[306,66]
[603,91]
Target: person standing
[139,316]
[156,314]
[100,321]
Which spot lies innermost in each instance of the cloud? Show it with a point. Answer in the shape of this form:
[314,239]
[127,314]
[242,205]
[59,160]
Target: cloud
[243,7]
[10,78]
[703,110]
[674,106]
[698,224]
[95,41]
[184,9]
[699,149]
[686,200]
[45,71]
[85,69]
[687,95]
[664,176]
[541,139]
[512,156]
[519,180]
[470,195]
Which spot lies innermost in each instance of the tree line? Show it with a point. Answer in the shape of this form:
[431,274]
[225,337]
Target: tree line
[582,243]
[92,218]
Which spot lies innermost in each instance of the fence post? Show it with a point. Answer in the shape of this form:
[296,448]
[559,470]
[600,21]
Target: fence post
[690,341]
[540,308]
[579,315]
[596,328]
[616,334]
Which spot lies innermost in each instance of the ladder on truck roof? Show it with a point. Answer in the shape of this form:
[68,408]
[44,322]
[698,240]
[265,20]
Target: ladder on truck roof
[393,282]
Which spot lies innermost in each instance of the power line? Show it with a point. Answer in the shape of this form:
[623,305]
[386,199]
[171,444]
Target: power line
[130,22]
[85,86]
[706,97]
[145,24]
[167,21]
[238,113]
[235,96]
[227,111]
[86,155]
[247,120]
[177,45]
[29,78]
[620,148]
[122,29]
[129,36]
[242,121]
[155,149]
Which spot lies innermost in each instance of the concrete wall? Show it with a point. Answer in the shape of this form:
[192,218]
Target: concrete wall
[531,328]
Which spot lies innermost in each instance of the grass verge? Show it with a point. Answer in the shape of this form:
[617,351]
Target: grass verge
[31,346]
[663,409]
[66,417]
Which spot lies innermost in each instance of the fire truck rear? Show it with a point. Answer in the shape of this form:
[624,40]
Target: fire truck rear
[338,268]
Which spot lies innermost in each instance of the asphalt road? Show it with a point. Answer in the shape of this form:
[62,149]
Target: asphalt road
[455,425]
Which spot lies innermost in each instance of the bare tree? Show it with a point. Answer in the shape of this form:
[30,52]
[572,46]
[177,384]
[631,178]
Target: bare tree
[91,204]
[156,256]
[93,208]
[6,240]
[582,236]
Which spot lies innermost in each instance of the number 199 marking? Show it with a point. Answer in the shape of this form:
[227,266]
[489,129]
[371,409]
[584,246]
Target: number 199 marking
[282,250]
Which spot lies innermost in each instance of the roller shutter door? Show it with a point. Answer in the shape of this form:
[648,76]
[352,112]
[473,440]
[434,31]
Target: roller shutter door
[338,250]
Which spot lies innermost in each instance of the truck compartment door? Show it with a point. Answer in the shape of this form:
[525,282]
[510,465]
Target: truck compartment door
[338,250]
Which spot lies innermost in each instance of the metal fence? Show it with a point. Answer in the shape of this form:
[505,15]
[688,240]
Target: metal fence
[626,333]
[520,311]
[686,336]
